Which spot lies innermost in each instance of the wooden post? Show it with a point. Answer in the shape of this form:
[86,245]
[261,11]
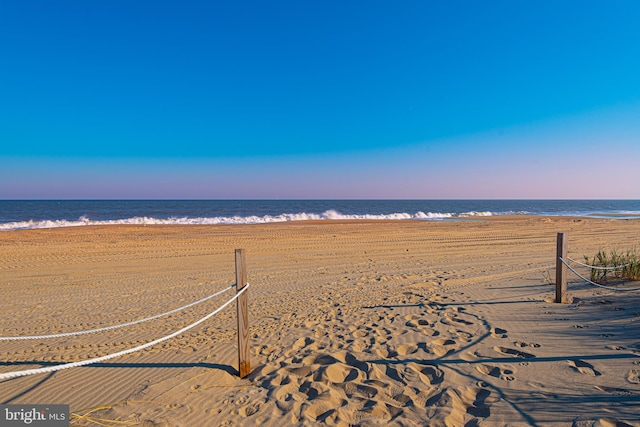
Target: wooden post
[244,364]
[561,269]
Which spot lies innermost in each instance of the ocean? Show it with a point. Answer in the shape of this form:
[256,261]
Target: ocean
[27,214]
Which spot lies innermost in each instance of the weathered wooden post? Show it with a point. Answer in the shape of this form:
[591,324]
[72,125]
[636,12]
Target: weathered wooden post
[561,269]
[244,364]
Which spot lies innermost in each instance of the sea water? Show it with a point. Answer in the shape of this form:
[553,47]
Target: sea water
[25,214]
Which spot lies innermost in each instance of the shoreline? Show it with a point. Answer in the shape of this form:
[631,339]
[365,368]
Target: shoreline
[479,218]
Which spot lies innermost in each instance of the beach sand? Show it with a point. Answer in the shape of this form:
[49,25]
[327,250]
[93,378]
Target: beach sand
[351,323]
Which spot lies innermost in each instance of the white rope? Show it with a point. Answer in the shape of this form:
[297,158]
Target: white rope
[594,283]
[615,267]
[108,328]
[55,368]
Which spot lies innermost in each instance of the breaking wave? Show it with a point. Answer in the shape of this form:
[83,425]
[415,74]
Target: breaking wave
[253,219]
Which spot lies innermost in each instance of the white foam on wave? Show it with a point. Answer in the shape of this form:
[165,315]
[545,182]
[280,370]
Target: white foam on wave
[302,216]
[474,213]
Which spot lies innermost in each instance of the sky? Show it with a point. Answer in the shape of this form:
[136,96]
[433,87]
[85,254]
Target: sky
[319,99]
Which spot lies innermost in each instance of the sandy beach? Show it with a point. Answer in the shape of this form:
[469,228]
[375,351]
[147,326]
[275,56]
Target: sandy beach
[352,323]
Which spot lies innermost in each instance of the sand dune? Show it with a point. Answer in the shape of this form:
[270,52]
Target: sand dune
[351,323]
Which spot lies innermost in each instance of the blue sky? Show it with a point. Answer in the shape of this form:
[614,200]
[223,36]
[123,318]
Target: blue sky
[319,99]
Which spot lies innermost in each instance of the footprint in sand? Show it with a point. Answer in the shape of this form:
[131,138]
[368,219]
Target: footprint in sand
[417,372]
[406,349]
[319,410]
[249,410]
[498,333]
[583,367]
[319,359]
[382,332]
[430,375]
[467,403]
[442,346]
[608,422]
[462,321]
[615,391]
[417,323]
[421,325]
[452,319]
[359,333]
[339,373]
[287,394]
[464,336]
[614,347]
[511,352]
[301,343]
[634,376]
[496,372]
[524,344]
[385,351]
[430,332]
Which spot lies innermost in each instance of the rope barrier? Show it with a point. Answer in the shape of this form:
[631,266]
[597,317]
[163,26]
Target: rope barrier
[108,328]
[594,283]
[616,267]
[55,368]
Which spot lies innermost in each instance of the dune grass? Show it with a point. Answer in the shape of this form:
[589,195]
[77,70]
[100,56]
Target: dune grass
[627,261]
